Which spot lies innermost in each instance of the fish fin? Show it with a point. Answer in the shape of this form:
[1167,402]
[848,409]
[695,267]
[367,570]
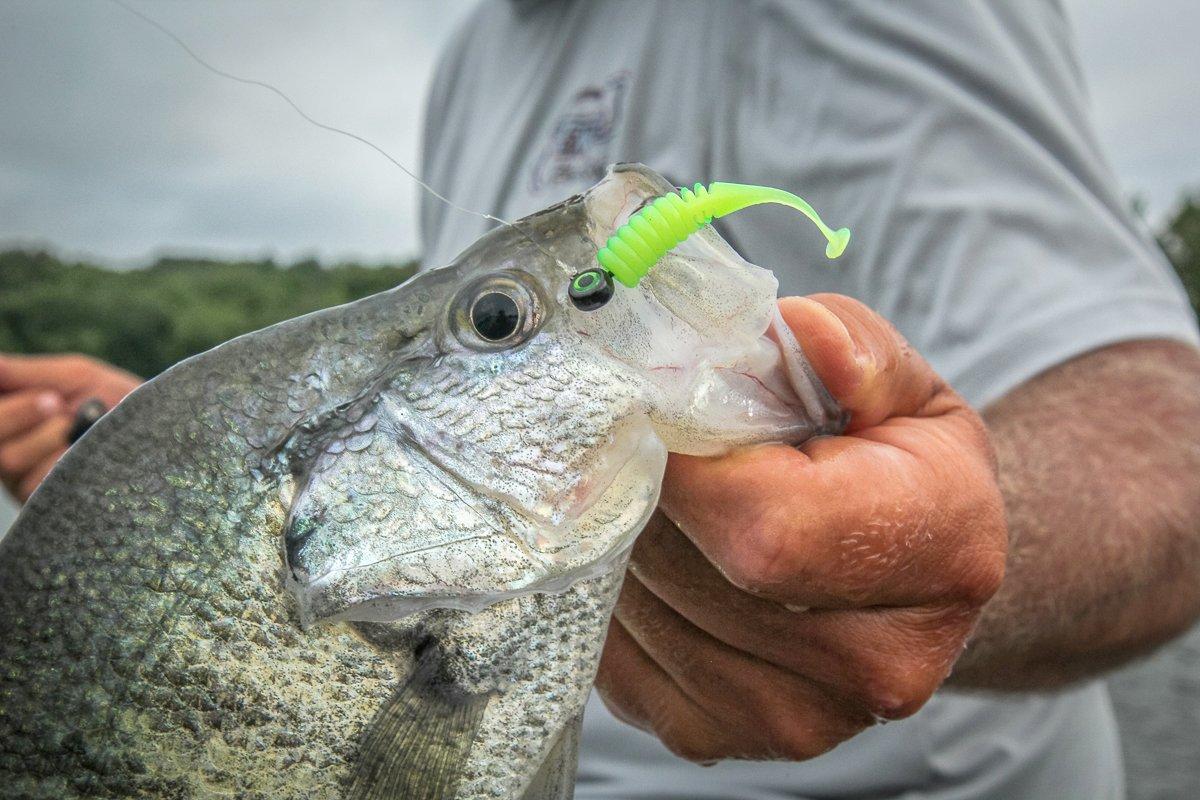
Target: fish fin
[416,745]
[556,778]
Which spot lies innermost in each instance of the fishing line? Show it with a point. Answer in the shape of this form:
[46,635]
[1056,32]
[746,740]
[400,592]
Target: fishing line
[306,118]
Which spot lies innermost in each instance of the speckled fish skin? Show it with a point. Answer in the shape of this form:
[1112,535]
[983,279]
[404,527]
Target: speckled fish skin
[365,553]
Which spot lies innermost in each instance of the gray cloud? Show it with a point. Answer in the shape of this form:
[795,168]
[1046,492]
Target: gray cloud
[114,144]
[1140,61]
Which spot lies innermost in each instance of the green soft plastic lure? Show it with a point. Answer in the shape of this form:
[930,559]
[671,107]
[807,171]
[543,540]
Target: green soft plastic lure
[634,248]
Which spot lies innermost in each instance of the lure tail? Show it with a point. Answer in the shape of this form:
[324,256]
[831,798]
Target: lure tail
[652,232]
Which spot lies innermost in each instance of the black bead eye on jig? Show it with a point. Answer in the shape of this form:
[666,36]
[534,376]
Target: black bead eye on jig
[651,233]
[591,288]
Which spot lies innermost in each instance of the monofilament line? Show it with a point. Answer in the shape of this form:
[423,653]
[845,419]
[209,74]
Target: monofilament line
[303,115]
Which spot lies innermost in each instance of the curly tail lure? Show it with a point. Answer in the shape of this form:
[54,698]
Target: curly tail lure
[633,250]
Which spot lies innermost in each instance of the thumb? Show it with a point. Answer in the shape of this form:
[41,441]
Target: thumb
[69,375]
[65,374]
[863,361]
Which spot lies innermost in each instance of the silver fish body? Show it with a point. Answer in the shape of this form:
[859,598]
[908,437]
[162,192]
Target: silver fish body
[372,552]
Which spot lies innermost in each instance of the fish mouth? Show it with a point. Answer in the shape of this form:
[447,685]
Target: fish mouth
[704,327]
[770,395]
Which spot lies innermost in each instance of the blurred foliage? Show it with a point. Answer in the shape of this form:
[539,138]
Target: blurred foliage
[1180,240]
[147,319]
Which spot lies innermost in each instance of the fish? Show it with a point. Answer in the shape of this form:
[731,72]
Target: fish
[372,552]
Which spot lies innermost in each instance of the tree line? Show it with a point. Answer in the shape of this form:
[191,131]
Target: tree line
[147,319]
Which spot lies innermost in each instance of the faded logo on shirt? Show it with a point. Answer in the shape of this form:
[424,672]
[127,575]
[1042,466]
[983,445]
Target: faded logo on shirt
[578,151]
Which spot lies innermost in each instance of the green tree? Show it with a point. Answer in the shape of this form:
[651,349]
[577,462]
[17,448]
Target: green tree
[1180,240]
[147,319]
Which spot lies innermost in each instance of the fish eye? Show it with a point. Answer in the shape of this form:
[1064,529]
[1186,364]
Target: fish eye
[497,311]
[495,316]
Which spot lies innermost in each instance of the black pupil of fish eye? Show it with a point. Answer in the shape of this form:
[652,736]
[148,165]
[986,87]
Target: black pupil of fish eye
[495,316]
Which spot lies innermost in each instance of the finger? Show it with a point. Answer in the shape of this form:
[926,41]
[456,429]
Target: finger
[110,391]
[37,474]
[773,712]
[67,374]
[64,373]
[670,566]
[23,410]
[865,363]
[847,521]
[21,454]
[638,692]
[888,660]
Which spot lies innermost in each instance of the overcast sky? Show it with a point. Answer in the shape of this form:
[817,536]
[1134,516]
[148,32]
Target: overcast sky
[114,145]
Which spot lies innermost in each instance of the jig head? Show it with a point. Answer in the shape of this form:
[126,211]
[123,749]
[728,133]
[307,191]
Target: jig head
[591,288]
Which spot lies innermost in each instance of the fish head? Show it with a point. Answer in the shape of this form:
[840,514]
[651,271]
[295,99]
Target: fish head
[514,443]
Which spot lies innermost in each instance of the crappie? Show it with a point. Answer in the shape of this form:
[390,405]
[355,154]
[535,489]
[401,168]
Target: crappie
[372,552]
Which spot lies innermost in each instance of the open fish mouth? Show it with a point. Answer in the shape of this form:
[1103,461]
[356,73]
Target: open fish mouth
[765,391]
[703,327]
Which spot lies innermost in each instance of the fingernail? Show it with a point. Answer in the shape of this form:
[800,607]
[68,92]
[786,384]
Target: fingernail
[48,403]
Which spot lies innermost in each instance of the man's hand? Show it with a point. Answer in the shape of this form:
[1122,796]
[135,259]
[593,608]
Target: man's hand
[784,599]
[38,399]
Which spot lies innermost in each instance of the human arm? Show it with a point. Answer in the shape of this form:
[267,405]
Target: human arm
[1099,464]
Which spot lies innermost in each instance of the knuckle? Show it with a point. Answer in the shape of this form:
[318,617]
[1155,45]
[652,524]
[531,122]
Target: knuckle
[762,557]
[981,562]
[982,580]
[796,737]
[691,747]
[799,722]
[617,705]
[901,687]
[982,439]
[971,427]
[978,563]
[800,743]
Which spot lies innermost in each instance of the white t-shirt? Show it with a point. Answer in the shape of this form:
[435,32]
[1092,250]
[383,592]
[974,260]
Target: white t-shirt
[953,139]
